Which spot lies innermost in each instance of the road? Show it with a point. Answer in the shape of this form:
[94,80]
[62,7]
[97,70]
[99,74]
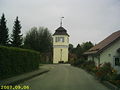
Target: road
[64,77]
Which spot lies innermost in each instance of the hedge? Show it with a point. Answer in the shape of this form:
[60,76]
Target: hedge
[15,61]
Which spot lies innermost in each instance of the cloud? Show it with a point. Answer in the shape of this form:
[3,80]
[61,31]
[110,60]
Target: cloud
[85,20]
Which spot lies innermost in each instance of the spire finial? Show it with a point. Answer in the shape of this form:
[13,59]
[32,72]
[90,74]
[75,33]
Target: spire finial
[61,21]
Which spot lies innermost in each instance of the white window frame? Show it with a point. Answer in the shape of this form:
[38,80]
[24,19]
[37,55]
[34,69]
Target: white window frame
[59,39]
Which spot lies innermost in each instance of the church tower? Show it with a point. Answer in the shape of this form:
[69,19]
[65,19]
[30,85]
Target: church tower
[60,45]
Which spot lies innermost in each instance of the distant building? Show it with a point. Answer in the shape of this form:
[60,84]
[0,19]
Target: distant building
[60,45]
[107,50]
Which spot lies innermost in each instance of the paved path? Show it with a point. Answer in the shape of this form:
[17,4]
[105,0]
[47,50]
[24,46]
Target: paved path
[64,77]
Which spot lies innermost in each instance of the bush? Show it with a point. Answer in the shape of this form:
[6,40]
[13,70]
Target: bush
[14,61]
[105,72]
[89,66]
[117,77]
[79,62]
[116,80]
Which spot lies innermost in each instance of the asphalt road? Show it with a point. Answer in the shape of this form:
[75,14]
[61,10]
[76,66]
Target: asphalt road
[64,77]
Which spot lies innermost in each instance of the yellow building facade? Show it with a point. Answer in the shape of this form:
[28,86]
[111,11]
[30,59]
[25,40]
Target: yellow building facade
[60,45]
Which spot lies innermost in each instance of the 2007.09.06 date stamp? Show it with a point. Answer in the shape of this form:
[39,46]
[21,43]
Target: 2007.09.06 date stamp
[17,87]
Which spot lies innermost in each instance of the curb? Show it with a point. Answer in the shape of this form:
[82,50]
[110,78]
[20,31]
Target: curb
[110,86]
[17,81]
[105,83]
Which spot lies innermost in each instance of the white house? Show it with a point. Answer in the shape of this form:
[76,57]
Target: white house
[107,50]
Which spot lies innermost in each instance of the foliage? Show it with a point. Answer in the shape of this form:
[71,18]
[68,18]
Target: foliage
[3,31]
[86,46]
[79,62]
[89,66]
[80,49]
[72,58]
[115,80]
[46,58]
[14,61]
[39,40]
[70,48]
[16,36]
[105,72]
[117,77]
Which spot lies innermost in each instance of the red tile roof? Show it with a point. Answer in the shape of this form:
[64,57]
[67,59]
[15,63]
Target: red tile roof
[104,44]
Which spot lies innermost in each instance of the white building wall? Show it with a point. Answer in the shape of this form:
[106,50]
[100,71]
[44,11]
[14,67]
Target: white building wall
[94,58]
[109,54]
[90,57]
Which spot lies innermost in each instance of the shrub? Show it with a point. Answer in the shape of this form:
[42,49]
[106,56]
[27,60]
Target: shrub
[116,80]
[89,66]
[105,72]
[79,62]
[14,61]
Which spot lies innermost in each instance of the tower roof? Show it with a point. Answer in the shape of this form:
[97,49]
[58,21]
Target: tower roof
[60,31]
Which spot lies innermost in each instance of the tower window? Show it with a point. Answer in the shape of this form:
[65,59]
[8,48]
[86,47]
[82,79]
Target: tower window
[59,39]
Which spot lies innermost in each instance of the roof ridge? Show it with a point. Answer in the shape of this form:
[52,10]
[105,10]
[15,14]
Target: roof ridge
[106,42]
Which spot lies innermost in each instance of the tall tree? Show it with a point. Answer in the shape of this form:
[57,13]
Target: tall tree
[86,46]
[3,31]
[39,39]
[16,37]
[78,51]
[81,48]
[70,48]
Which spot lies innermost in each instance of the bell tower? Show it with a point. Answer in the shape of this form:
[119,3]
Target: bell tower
[60,45]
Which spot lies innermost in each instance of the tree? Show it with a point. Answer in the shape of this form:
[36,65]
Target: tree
[39,40]
[78,51]
[16,37]
[70,48]
[3,31]
[86,46]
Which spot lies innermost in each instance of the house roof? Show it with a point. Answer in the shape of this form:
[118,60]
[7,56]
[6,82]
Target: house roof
[105,43]
[60,31]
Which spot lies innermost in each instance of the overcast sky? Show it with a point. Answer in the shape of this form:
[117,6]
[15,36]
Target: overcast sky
[85,20]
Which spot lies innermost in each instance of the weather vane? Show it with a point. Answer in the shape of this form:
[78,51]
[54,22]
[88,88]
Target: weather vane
[61,21]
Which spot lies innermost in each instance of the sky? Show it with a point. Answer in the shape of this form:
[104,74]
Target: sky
[84,20]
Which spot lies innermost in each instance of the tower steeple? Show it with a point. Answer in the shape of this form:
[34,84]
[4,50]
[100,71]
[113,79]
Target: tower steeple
[61,21]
